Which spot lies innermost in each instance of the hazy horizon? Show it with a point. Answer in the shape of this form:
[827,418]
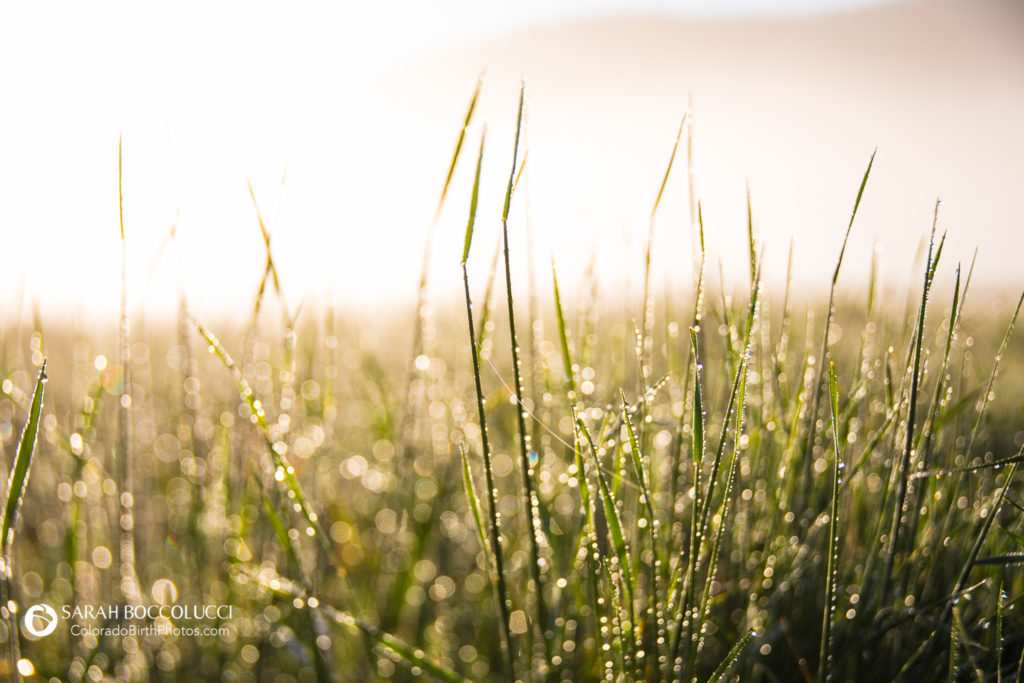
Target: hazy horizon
[793,106]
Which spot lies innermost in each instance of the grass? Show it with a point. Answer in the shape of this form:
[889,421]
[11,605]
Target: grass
[648,497]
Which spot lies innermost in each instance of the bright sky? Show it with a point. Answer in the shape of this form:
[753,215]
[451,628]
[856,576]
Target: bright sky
[207,95]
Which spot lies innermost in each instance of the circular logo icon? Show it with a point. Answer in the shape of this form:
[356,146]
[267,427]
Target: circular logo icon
[40,620]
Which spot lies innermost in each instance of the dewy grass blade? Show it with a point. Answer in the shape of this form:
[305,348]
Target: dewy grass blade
[611,512]
[831,574]
[18,480]
[702,614]
[699,418]
[903,472]
[16,485]
[498,577]
[816,392]
[731,658]
[531,503]
[485,314]
[474,501]
[1000,597]
[638,467]
[616,580]
[972,559]
[655,612]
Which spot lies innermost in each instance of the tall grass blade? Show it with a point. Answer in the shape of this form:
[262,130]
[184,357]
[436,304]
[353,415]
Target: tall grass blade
[498,575]
[474,199]
[423,330]
[531,503]
[903,470]
[458,144]
[816,393]
[647,309]
[831,574]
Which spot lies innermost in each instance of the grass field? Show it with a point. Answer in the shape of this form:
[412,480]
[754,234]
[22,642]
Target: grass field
[750,484]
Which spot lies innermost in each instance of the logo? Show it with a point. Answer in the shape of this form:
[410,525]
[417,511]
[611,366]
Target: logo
[40,620]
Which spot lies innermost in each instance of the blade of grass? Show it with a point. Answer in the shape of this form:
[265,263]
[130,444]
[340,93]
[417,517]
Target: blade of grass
[423,331]
[531,503]
[972,559]
[903,470]
[620,558]
[647,308]
[18,480]
[16,485]
[816,393]
[474,501]
[831,574]
[458,144]
[498,575]
[730,659]
[655,614]
[1000,596]
[611,511]
[563,339]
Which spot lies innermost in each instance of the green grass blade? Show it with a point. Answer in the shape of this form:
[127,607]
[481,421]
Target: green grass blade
[531,503]
[458,145]
[498,575]
[1000,596]
[611,512]
[972,559]
[1006,559]
[638,467]
[730,659]
[474,199]
[485,313]
[984,402]
[18,481]
[563,338]
[414,657]
[699,418]
[671,160]
[751,243]
[818,381]
[474,500]
[831,574]
[515,154]
[903,470]
[954,644]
